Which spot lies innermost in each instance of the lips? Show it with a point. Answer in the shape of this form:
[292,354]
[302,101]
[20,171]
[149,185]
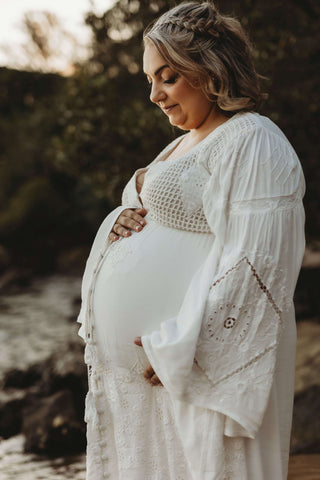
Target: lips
[169,108]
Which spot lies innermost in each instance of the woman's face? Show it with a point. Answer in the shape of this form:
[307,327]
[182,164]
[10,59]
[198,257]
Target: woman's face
[187,107]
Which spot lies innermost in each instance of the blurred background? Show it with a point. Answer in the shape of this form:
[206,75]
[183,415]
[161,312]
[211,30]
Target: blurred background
[75,122]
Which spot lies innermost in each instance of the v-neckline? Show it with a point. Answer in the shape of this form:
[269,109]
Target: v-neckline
[178,140]
[171,147]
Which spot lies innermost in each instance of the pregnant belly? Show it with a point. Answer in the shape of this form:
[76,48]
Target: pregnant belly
[142,282]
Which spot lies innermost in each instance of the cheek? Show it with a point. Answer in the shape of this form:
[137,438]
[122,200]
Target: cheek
[182,91]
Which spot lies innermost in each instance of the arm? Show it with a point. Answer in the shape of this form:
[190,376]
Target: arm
[220,350]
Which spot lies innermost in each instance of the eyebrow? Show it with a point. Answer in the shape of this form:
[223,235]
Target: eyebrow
[160,69]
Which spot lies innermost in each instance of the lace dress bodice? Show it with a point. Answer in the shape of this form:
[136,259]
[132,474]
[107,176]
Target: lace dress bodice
[172,193]
[172,190]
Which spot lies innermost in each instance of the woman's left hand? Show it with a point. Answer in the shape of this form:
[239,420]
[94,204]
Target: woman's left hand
[149,374]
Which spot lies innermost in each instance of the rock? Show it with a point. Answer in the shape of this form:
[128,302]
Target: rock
[34,393]
[15,278]
[11,406]
[66,370]
[306,297]
[50,426]
[308,356]
[305,437]
[21,379]
[311,258]
[18,388]
[4,258]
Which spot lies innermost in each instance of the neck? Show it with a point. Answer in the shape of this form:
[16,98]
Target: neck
[213,119]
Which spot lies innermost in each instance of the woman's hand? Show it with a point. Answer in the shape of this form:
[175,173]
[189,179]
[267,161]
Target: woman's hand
[149,374]
[129,219]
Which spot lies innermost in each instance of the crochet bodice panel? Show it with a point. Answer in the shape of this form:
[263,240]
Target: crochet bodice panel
[172,189]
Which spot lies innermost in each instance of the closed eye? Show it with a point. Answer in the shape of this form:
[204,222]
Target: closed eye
[172,79]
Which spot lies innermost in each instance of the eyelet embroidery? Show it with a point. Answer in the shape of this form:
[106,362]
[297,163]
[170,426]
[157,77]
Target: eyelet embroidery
[229,322]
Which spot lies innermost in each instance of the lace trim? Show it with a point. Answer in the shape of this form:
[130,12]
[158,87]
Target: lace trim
[261,204]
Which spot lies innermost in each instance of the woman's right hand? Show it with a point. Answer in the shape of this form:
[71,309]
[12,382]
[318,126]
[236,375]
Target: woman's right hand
[129,219]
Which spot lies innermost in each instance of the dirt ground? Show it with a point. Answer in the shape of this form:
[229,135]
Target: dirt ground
[304,467]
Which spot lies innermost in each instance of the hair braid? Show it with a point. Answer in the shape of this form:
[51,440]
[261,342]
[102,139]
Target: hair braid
[203,26]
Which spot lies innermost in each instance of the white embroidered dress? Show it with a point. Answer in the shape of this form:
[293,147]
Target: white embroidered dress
[208,284]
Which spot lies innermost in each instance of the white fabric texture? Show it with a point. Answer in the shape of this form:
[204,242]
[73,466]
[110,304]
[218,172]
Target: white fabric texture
[226,222]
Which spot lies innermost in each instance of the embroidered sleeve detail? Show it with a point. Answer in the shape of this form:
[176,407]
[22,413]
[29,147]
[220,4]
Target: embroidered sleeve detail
[241,327]
[255,275]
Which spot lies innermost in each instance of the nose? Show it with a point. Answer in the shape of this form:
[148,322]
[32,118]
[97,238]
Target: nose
[156,95]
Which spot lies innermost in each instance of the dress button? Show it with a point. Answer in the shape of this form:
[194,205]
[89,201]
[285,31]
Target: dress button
[106,475]
[104,457]
[103,443]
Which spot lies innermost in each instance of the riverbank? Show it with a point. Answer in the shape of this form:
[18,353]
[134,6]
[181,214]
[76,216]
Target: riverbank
[16,465]
[39,322]
[304,467]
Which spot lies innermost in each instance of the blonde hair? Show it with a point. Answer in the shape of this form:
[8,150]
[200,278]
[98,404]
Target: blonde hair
[211,51]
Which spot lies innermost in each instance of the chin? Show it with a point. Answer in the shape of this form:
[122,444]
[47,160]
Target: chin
[178,125]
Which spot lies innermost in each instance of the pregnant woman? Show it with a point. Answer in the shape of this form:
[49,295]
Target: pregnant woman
[187,309]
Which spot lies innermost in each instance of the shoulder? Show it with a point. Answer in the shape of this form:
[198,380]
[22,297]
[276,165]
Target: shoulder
[246,126]
[248,135]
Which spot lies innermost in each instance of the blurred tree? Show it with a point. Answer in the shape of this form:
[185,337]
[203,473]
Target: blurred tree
[109,128]
[67,146]
[48,46]
[43,209]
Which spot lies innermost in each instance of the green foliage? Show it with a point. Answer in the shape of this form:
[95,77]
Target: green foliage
[68,145]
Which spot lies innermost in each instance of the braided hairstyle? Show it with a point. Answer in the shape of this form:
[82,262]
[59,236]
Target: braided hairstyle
[211,51]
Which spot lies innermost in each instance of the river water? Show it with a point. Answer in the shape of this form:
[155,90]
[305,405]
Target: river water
[34,323]
[15,465]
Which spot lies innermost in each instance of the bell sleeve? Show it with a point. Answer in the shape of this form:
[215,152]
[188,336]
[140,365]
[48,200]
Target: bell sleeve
[220,351]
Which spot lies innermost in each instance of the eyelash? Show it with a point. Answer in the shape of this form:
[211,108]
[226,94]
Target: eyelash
[170,81]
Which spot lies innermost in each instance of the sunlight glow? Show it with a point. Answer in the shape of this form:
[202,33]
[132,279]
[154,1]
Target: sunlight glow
[14,47]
